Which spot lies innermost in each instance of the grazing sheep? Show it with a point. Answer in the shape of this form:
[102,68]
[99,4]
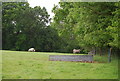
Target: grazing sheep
[31,50]
[76,50]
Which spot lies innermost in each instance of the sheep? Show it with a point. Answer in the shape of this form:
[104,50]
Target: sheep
[31,50]
[76,50]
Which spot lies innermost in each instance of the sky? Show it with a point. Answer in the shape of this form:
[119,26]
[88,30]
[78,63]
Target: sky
[48,4]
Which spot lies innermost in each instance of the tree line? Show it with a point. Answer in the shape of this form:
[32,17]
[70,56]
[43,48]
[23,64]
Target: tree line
[88,25]
[24,27]
[84,25]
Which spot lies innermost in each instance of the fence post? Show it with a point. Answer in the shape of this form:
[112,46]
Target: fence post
[109,54]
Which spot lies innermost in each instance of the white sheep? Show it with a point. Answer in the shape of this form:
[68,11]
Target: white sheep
[76,50]
[31,50]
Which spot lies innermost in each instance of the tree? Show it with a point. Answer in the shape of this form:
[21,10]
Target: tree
[25,27]
[88,23]
[10,13]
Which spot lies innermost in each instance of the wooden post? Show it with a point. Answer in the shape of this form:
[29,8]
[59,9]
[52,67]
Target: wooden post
[95,50]
[109,55]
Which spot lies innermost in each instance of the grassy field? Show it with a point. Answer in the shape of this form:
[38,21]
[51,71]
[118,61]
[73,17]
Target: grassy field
[0,65]
[36,65]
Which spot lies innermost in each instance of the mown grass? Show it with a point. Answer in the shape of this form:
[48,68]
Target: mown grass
[0,65]
[36,65]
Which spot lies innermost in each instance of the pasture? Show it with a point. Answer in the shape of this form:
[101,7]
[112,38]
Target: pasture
[36,65]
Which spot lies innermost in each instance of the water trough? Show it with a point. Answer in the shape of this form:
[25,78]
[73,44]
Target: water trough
[88,58]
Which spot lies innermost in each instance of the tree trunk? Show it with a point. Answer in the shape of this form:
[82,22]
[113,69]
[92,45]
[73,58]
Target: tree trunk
[100,51]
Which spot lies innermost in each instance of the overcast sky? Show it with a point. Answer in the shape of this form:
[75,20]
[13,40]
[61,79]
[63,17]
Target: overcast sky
[48,4]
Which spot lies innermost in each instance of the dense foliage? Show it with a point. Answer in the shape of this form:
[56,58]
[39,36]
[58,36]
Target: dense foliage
[84,25]
[25,27]
[89,25]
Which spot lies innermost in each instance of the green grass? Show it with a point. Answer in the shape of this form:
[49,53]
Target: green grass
[0,65]
[36,65]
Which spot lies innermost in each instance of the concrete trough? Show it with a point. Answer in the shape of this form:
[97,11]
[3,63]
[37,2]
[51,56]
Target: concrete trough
[82,58]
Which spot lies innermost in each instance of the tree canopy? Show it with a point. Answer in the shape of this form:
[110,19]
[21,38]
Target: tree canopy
[84,25]
[89,24]
[25,27]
